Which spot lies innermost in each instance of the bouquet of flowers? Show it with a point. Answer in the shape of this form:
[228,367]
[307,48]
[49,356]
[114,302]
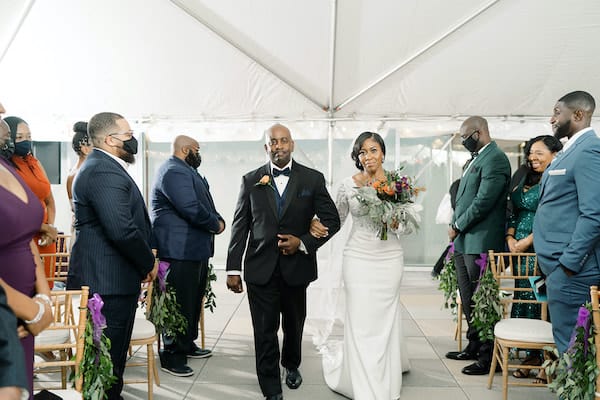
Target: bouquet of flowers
[96,365]
[389,203]
[574,372]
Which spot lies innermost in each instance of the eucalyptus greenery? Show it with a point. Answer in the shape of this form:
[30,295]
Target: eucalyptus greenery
[165,312]
[96,365]
[574,372]
[448,284]
[210,302]
[486,310]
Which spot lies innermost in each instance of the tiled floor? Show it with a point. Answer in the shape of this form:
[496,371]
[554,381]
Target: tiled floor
[230,372]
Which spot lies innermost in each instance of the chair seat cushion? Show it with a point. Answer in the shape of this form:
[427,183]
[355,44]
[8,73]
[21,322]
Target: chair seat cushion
[142,329]
[524,330]
[50,336]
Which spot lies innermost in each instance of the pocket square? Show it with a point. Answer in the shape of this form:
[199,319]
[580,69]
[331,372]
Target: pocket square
[557,171]
[305,193]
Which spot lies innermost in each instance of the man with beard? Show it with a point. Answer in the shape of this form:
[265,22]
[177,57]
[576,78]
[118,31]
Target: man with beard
[566,229]
[184,224]
[111,253]
[275,207]
[477,226]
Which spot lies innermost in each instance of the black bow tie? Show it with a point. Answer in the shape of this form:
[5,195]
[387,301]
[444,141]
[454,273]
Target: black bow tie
[277,172]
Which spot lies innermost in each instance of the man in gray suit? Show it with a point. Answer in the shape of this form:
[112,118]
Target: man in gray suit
[111,253]
[566,229]
[478,226]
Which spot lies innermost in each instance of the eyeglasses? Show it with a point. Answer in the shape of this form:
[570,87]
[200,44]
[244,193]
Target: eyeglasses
[466,137]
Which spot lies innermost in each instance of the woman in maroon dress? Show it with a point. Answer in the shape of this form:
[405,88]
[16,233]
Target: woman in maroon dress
[21,270]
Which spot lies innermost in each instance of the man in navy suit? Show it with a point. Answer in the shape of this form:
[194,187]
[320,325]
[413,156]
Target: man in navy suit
[566,229]
[111,253]
[270,226]
[184,222]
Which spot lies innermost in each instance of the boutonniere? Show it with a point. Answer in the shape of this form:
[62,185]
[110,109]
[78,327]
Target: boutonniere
[265,181]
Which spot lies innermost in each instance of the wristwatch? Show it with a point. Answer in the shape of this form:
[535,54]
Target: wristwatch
[453,226]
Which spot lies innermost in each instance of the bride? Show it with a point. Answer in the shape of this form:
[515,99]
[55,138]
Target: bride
[368,363]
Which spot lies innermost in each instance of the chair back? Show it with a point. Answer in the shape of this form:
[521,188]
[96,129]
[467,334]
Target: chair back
[67,331]
[595,295]
[59,265]
[510,268]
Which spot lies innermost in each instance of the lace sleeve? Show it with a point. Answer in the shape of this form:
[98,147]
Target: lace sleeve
[341,202]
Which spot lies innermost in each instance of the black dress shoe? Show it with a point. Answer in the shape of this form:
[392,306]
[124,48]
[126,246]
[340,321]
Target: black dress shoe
[461,355]
[178,370]
[293,379]
[278,396]
[476,368]
[199,353]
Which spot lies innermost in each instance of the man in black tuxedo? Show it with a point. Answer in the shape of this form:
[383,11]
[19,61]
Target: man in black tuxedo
[184,224]
[271,225]
[111,253]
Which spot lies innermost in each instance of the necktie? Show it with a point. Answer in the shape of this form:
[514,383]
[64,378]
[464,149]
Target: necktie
[277,172]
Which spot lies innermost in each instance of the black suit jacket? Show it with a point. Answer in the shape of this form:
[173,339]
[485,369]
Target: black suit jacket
[111,253]
[257,222]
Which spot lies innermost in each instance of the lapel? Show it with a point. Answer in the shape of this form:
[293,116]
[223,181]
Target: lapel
[291,189]
[270,192]
[480,159]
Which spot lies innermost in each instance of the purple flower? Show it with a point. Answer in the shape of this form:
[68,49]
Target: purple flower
[583,322]
[450,252]
[163,268]
[95,305]
[482,262]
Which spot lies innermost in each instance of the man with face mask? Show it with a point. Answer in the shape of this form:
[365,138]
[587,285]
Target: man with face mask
[112,252]
[184,223]
[566,229]
[477,226]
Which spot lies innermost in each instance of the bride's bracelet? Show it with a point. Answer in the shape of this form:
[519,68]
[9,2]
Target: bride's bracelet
[45,298]
[38,317]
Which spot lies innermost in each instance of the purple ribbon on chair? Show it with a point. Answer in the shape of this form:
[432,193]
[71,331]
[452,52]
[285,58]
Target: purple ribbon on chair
[163,268]
[450,252]
[482,262]
[95,305]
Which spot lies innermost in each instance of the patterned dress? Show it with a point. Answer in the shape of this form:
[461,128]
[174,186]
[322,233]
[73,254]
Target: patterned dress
[525,203]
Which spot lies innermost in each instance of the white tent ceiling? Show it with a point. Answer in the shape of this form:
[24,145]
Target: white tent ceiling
[418,65]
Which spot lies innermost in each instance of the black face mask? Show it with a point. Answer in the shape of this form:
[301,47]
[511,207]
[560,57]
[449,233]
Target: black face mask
[470,143]
[193,160]
[130,145]
[7,149]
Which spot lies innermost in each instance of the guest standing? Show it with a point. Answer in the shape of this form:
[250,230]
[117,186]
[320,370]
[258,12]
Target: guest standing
[566,228]
[111,253]
[478,225]
[184,224]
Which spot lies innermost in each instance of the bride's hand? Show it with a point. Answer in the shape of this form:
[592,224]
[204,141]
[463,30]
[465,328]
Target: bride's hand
[318,230]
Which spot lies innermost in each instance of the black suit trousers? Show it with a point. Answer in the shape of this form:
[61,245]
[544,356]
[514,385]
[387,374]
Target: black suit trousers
[189,280]
[120,315]
[267,303]
[467,275]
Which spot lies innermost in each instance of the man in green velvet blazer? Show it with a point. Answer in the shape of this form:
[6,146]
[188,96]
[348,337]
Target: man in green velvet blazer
[478,225]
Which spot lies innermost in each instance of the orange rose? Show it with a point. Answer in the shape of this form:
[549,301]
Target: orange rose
[389,190]
[264,180]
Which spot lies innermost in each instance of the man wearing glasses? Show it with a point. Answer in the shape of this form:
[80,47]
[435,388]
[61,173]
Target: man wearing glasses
[112,253]
[478,226]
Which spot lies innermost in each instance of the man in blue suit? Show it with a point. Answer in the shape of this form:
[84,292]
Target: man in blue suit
[566,229]
[185,222]
[111,253]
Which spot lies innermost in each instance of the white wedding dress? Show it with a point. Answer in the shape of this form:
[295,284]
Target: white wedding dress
[368,363]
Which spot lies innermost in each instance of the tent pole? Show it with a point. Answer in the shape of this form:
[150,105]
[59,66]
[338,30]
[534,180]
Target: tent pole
[17,29]
[214,30]
[415,55]
[330,110]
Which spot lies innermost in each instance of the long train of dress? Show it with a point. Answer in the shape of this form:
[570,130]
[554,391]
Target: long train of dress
[368,363]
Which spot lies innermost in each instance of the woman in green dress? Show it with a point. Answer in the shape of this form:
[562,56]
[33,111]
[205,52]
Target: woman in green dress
[540,152]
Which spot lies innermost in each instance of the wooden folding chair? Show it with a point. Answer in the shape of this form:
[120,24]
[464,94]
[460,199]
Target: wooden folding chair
[520,333]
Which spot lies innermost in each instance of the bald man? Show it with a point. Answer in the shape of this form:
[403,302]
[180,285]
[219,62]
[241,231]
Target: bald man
[477,226]
[184,223]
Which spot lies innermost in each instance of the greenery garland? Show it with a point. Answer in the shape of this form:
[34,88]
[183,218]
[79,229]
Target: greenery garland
[165,312]
[574,372]
[486,310]
[96,366]
[210,302]
[448,283]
